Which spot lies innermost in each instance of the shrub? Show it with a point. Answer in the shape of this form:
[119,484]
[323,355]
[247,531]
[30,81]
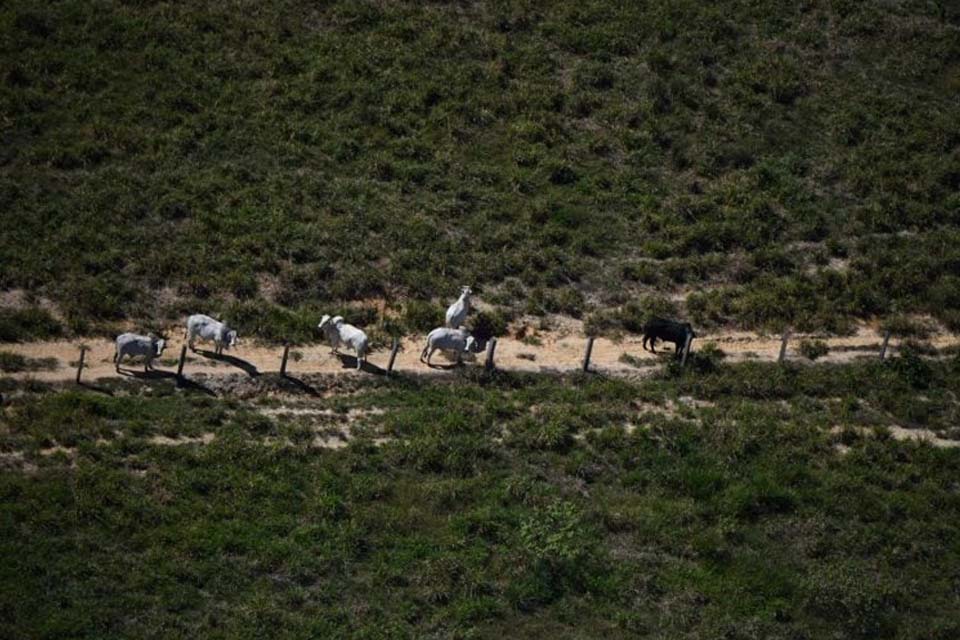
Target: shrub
[487,324]
[813,349]
[33,323]
[912,369]
[272,323]
[420,316]
[602,322]
[636,314]
[904,326]
[12,362]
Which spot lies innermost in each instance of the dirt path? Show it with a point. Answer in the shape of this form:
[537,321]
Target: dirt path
[549,351]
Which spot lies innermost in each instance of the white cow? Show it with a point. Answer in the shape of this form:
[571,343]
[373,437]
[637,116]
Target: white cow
[339,332]
[131,344]
[458,341]
[457,312]
[206,328]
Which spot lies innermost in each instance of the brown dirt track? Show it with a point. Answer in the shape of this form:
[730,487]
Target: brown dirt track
[557,351]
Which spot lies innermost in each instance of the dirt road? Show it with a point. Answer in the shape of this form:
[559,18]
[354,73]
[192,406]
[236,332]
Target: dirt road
[548,351]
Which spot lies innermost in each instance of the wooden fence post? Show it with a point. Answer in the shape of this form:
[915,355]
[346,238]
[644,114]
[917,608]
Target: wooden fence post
[886,341]
[686,349]
[83,353]
[393,355]
[783,345]
[586,355]
[491,347]
[283,361]
[183,357]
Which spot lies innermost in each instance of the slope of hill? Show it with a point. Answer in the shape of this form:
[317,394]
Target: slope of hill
[745,163]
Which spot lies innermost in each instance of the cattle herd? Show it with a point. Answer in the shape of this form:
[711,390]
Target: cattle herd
[453,338]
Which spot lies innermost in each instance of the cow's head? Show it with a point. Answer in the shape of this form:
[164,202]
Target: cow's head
[323,322]
[160,345]
[466,291]
[689,328]
[232,338]
[471,344]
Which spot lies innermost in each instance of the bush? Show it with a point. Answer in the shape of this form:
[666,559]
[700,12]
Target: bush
[813,349]
[34,323]
[602,322]
[487,324]
[912,369]
[272,323]
[903,326]
[420,316]
[635,315]
[12,362]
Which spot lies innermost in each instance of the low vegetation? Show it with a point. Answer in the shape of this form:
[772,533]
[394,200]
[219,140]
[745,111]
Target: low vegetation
[766,163]
[741,500]
[15,363]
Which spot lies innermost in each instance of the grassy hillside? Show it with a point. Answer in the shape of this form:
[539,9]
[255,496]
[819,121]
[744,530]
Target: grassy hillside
[747,501]
[798,159]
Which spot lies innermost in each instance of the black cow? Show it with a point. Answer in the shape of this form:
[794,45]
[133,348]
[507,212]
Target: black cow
[668,331]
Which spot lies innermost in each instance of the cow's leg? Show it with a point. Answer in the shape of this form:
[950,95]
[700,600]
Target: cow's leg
[429,355]
[653,344]
[117,360]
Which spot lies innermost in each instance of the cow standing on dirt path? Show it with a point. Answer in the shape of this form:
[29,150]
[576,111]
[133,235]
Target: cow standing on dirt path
[668,331]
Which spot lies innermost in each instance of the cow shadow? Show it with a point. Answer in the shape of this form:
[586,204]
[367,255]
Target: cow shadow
[445,367]
[239,363]
[155,374]
[151,374]
[350,362]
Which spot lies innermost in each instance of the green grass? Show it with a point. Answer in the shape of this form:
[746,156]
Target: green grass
[504,505]
[14,362]
[559,157]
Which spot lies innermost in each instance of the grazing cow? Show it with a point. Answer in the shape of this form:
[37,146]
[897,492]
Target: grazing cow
[457,312]
[458,341]
[339,332]
[131,344]
[668,331]
[206,328]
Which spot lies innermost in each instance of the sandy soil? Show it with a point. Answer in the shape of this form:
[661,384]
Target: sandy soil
[560,349]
